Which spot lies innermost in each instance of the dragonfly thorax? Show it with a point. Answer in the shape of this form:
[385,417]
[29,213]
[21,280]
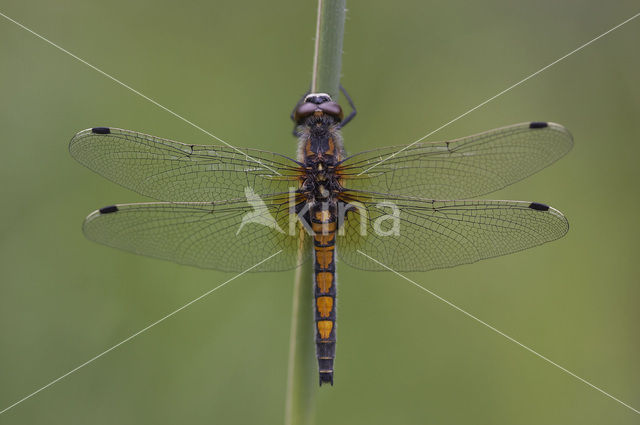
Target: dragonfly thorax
[321,181]
[320,141]
[320,150]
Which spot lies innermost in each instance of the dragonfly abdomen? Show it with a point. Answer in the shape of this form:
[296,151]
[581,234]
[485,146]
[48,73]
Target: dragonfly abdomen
[324,224]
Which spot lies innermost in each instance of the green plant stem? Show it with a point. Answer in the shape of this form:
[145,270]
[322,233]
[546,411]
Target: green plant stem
[302,382]
[302,379]
[327,60]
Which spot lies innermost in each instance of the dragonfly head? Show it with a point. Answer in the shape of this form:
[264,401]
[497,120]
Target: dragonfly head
[317,104]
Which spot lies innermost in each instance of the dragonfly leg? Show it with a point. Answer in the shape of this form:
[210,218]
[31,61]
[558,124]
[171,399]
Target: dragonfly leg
[353,108]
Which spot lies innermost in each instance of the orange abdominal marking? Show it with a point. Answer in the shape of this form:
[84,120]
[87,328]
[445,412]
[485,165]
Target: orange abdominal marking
[324,239]
[324,328]
[324,256]
[324,304]
[324,281]
[324,228]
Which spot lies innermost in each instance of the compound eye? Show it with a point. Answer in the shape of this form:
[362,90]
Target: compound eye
[304,110]
[333,109]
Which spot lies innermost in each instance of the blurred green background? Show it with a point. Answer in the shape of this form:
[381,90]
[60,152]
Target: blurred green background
[236,68]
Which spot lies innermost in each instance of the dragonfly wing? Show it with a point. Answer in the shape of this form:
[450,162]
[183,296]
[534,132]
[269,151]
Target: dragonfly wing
[226,236]
[173,171]
[462,168]
[437,234]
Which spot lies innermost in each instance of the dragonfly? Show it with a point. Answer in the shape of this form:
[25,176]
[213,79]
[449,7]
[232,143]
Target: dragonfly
[408,207]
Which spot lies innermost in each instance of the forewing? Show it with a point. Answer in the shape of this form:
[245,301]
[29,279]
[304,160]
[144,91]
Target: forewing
[173,171]
[226,236]
[438,234]
[462,168]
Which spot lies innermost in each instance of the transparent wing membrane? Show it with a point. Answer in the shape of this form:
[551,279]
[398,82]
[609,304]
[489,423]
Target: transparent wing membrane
[462,168]
[438,234]
[394,216]
[227,236]
[174,171]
